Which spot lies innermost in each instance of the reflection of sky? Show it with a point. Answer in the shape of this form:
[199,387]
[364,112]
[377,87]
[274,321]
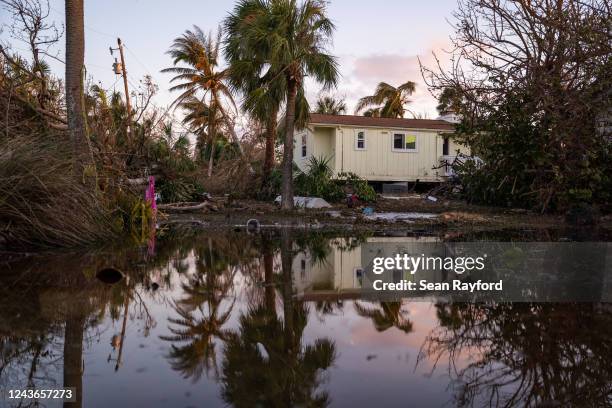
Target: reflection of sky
[375,41]
[387,377]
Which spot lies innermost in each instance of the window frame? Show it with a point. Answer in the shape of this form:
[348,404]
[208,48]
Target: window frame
[365,143]
[404,136]
[304,147]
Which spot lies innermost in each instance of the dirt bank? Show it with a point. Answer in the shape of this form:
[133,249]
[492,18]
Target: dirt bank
[442,214]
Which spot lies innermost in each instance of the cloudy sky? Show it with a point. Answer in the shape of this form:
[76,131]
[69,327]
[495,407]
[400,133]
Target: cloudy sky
[374,40]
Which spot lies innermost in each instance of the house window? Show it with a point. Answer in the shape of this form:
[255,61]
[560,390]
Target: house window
[358,277]
[360,141]
[404,143]
[445,147]
[304,151]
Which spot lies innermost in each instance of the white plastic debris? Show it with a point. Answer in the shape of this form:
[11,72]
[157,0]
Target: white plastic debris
[307,202]
[432,198]
[393,216]
[262,351]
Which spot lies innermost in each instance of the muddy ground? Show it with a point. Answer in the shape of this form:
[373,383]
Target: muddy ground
[450,216]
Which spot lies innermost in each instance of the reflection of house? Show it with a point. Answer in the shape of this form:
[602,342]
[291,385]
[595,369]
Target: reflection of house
[379,149]
[342,273]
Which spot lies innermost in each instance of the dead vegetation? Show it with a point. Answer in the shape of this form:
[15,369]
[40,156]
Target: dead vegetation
[41,204]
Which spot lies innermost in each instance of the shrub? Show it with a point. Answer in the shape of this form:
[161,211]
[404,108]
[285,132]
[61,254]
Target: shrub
[318,181]
[358,186]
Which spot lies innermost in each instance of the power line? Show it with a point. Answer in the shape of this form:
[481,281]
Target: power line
[94,30]
[138,61]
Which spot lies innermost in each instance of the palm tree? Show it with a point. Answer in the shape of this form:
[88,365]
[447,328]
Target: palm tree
[450,101]
[199,76]
[328,105]
[75,54]
[388,101]
[198,117]
[285,40]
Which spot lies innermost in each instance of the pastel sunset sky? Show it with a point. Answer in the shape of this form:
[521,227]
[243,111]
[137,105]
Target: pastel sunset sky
[374,41]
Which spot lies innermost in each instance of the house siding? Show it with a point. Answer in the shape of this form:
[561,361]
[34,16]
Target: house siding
[379,161]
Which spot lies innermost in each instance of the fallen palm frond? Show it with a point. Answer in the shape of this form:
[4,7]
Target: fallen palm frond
[41,202]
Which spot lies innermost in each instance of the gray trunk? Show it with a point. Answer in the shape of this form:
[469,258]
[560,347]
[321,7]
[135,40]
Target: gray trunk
[287,188]
[75,54]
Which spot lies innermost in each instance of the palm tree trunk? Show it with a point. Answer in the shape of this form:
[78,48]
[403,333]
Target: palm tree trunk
[287,189]
[270,142]
[73,357]
[287,261]
[212,155]
[270,288]
[211,131]
[75,54]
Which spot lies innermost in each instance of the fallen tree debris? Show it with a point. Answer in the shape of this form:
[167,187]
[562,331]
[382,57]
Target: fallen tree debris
[188,207]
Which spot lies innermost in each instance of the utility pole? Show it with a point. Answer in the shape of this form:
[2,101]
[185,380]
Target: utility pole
[125,85]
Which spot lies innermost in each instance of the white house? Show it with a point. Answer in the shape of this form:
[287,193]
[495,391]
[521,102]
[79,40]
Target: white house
[379,149]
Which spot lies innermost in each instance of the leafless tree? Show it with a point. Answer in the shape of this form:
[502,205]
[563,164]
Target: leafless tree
[30,24]
[556,55]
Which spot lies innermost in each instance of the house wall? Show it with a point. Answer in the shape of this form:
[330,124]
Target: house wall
[379,161]
[319,143]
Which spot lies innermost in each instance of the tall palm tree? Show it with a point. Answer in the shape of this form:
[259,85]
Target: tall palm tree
[328,105]
[196,66]
[287,41]
[75,54]
[388,101]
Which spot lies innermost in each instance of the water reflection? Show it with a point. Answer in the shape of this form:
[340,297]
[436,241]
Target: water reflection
[526,354]
[274,320]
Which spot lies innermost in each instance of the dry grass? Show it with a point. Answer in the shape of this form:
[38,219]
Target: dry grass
[41,203]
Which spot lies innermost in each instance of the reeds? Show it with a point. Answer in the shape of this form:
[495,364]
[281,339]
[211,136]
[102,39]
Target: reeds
[42,203]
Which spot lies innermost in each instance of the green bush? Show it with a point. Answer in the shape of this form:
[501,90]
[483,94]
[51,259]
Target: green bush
[358,186]
[318,181]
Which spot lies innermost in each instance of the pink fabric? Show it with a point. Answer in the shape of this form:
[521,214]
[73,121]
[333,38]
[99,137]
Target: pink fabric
[150,194]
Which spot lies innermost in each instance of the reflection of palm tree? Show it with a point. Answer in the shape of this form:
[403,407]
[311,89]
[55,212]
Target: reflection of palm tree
[266,363]
[262,368]
[390,314]
[198,334]
[199,354]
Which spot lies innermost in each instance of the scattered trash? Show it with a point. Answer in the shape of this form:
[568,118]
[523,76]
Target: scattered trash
[352,200]
[368,211]
[404,197]
[432,198]
[334,214]
[393,216]
[262,350]
[307,202]
[110,276]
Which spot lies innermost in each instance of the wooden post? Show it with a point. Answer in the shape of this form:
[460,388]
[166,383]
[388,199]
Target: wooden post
[127,94]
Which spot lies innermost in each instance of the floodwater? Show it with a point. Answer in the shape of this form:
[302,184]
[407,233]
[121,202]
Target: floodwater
[200,319]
